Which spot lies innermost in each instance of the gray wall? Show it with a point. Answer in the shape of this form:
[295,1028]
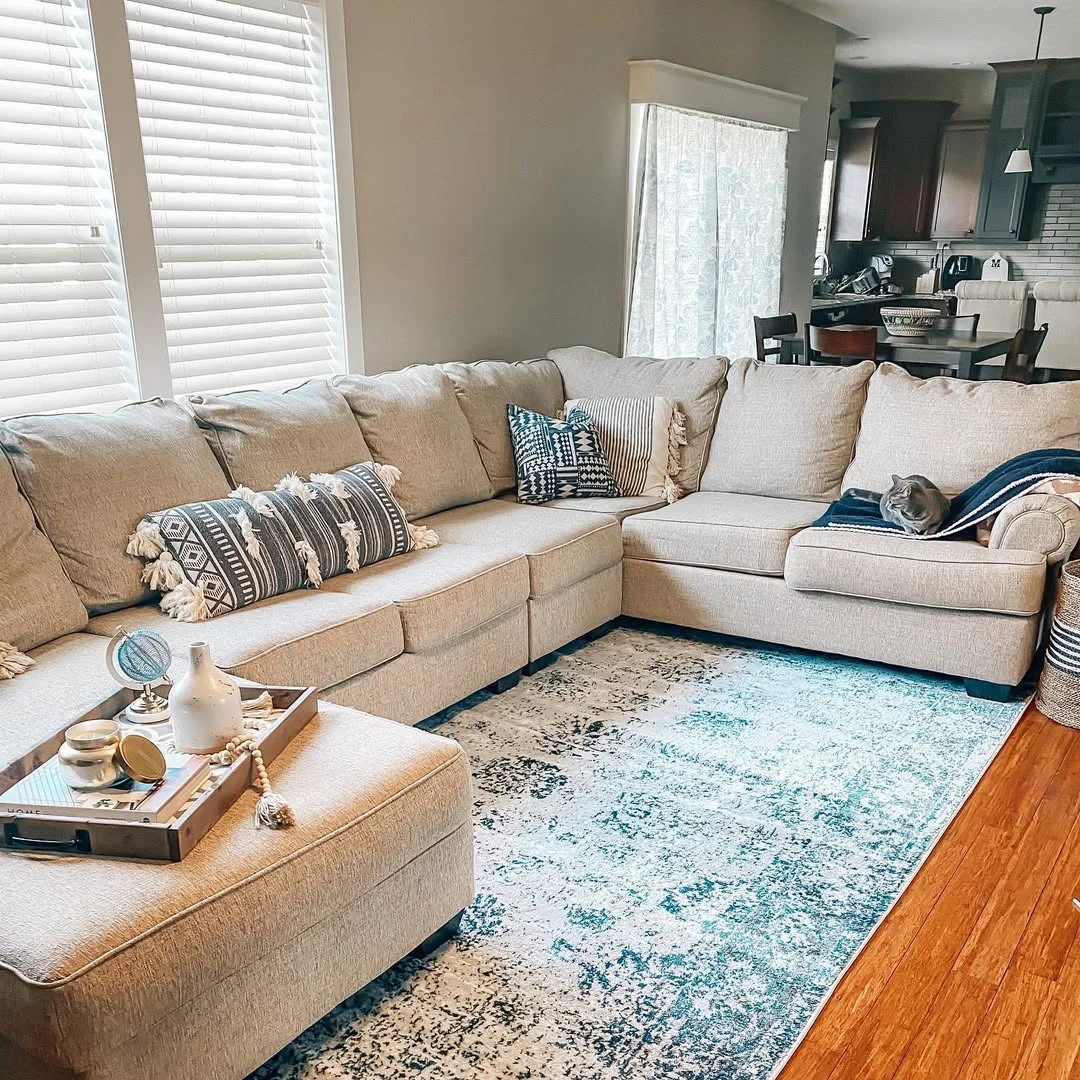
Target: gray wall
[489,139]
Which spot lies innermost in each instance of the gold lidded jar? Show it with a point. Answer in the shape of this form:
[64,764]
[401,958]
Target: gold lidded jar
[87,757]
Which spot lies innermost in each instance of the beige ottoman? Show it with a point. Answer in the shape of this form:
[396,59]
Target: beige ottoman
[114,970]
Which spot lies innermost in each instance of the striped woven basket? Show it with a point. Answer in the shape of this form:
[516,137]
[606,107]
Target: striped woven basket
[1059,685]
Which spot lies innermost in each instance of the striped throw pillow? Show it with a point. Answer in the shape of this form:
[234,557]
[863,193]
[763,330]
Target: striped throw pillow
[642,440]
[209,558]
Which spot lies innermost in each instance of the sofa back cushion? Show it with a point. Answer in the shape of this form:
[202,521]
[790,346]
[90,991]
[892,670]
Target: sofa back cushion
[696,385]
[485,389]
[954,431]
[92,477]
[259,437]
[411,418]
[785,430]
[37,602]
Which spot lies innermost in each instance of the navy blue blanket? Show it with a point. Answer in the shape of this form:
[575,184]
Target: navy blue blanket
[982,500]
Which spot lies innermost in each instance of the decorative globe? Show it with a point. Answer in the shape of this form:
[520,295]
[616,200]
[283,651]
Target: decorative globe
[144,657]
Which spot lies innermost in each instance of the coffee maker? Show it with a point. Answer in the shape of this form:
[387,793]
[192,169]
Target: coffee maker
[882,265]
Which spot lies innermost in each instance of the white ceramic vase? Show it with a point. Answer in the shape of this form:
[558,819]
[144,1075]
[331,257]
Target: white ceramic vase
[204,705]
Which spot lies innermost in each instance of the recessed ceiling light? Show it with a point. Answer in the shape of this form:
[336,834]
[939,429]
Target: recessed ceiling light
[962,63]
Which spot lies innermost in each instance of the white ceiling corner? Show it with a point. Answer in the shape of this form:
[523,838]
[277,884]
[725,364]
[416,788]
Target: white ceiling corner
[875,34]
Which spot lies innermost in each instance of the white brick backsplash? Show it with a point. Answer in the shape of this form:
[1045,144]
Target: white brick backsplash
[1053,251]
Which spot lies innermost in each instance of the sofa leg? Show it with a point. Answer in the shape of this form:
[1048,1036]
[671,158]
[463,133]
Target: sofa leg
[533,666]
[991,690]
[439,938]
[507,682]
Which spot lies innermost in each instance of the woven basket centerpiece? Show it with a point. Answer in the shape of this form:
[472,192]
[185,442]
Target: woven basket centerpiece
[1059,685]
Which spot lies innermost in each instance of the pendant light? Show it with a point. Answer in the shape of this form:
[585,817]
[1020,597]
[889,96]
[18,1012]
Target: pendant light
[1020,158]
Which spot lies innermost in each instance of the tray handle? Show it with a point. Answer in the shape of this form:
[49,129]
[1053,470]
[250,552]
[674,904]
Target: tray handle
[79,844]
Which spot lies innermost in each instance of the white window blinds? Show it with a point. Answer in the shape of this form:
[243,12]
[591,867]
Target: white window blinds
[234,112]
[65,339]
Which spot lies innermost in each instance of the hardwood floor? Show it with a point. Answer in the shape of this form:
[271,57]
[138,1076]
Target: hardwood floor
[976,971]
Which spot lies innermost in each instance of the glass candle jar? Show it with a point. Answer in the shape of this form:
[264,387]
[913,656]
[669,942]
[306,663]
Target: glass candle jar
[87,758]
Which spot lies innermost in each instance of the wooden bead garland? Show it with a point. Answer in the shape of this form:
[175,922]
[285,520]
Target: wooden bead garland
[271,810]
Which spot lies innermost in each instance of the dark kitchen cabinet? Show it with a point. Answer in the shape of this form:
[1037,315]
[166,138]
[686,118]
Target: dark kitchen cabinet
[855,161]
[1057,158]
[1005,203]
[885,169]
[959,179]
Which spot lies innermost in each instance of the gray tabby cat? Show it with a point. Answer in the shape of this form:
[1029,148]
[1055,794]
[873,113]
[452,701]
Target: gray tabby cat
[912,502]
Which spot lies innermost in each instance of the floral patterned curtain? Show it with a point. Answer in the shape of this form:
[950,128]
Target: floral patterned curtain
[710,234]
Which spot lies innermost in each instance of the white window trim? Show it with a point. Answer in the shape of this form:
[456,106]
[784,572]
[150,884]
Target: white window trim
[660,82]
[123,139]
[341,137]
[123,143]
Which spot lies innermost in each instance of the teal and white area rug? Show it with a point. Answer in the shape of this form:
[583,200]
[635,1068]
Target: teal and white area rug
[681,845]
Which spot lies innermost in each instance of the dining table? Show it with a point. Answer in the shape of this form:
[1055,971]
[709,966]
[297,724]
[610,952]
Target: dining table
[954,351]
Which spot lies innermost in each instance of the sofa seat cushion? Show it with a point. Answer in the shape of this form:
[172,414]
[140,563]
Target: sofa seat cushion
[92,477]
[96,951]
[258,437]
[70,670]
[562,548]
[955,431]
[959,575]
[306,638]
[786,430]
[442,593]
[621,506]
[718,529]
[412,419]
[486,388]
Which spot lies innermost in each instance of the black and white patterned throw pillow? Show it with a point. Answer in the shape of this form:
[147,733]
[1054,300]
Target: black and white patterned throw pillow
[558,459]
[209,558]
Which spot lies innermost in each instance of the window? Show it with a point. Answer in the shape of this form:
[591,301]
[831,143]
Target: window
[828,177]
[65,340]
[710,233]
[238,151]
[233,108]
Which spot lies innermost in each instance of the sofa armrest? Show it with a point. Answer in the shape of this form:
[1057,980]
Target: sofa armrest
[1046,523]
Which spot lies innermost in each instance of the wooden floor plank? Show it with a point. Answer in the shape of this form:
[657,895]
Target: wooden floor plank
[940,1046]
[1005,916]
[1055,1050]
[967,975]
[1053,927]
[1009,1026]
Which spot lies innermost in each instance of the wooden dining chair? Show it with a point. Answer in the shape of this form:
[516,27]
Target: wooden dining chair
[959,324]
[840,344]
[771,328]
[1024,351]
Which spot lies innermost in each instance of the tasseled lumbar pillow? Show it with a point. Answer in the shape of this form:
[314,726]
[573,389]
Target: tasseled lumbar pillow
[642,440]
[13,662]
[212,557]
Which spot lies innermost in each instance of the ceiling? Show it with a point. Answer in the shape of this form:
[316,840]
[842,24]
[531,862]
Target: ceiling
[943,33]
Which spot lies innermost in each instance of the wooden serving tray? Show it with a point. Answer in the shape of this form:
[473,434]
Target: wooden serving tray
[160,842]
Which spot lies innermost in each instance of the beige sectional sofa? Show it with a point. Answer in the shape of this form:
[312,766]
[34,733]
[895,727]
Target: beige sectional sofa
[767,448]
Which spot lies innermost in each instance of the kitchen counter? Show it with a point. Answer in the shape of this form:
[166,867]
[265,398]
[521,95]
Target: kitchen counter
[852,299]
